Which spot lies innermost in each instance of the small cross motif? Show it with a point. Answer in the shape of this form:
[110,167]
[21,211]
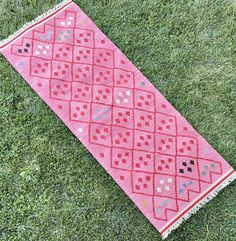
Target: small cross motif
[187,167]
[206,168]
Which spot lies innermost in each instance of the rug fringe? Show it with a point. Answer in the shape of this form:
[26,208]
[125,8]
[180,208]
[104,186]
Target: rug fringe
[28,24]
[200,204]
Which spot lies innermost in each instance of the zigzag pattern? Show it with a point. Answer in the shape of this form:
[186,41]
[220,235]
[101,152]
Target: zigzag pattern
[134,129]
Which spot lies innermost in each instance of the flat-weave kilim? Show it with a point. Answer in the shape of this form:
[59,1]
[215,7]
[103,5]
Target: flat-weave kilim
[142,141]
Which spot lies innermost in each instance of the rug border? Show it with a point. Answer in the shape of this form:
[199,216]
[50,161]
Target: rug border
[194,206]
[35,22]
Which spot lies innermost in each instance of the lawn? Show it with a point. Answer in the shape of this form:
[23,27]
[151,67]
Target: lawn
[52,189]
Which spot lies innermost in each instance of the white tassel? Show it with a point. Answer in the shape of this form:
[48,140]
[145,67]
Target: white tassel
[27,25]
[200,204]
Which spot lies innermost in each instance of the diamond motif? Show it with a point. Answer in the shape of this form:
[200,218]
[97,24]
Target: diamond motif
[103,76]
[165,124]
[123,97]
[44,33]
[102,94]
[23,49]
[42,50]
[64,35]
[121,159]
[143,140]
[165,144]
[61,70]
[104,58]
[185,166]
[109,105]
[84,37]
[208,169]
[123,78]
[67,20]
[122,117]
[164,164]
[142,183]
[101,113]
[161,205]
[143,161]
[122,137]
[63,52]
[144,100]
[82,73]
[83,55]
[185,187]
[60,90]
[79,111]
[81,92]
[100,134]
[186,146]
[40,68]
[163,183]
[144,120]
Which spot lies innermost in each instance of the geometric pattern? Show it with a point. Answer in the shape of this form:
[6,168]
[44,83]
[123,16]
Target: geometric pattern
[141,140]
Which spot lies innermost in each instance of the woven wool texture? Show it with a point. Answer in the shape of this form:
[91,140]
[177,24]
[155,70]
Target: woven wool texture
[143,142]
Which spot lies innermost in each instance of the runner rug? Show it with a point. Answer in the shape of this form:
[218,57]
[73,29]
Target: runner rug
[143,142]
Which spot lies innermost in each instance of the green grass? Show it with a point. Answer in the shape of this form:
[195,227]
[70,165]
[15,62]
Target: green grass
[52,189]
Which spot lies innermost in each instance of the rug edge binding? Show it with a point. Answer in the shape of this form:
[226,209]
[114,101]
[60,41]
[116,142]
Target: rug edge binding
[201,204]
[30,23]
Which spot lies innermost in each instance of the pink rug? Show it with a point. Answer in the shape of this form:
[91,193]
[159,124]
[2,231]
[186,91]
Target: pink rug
[150,150]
